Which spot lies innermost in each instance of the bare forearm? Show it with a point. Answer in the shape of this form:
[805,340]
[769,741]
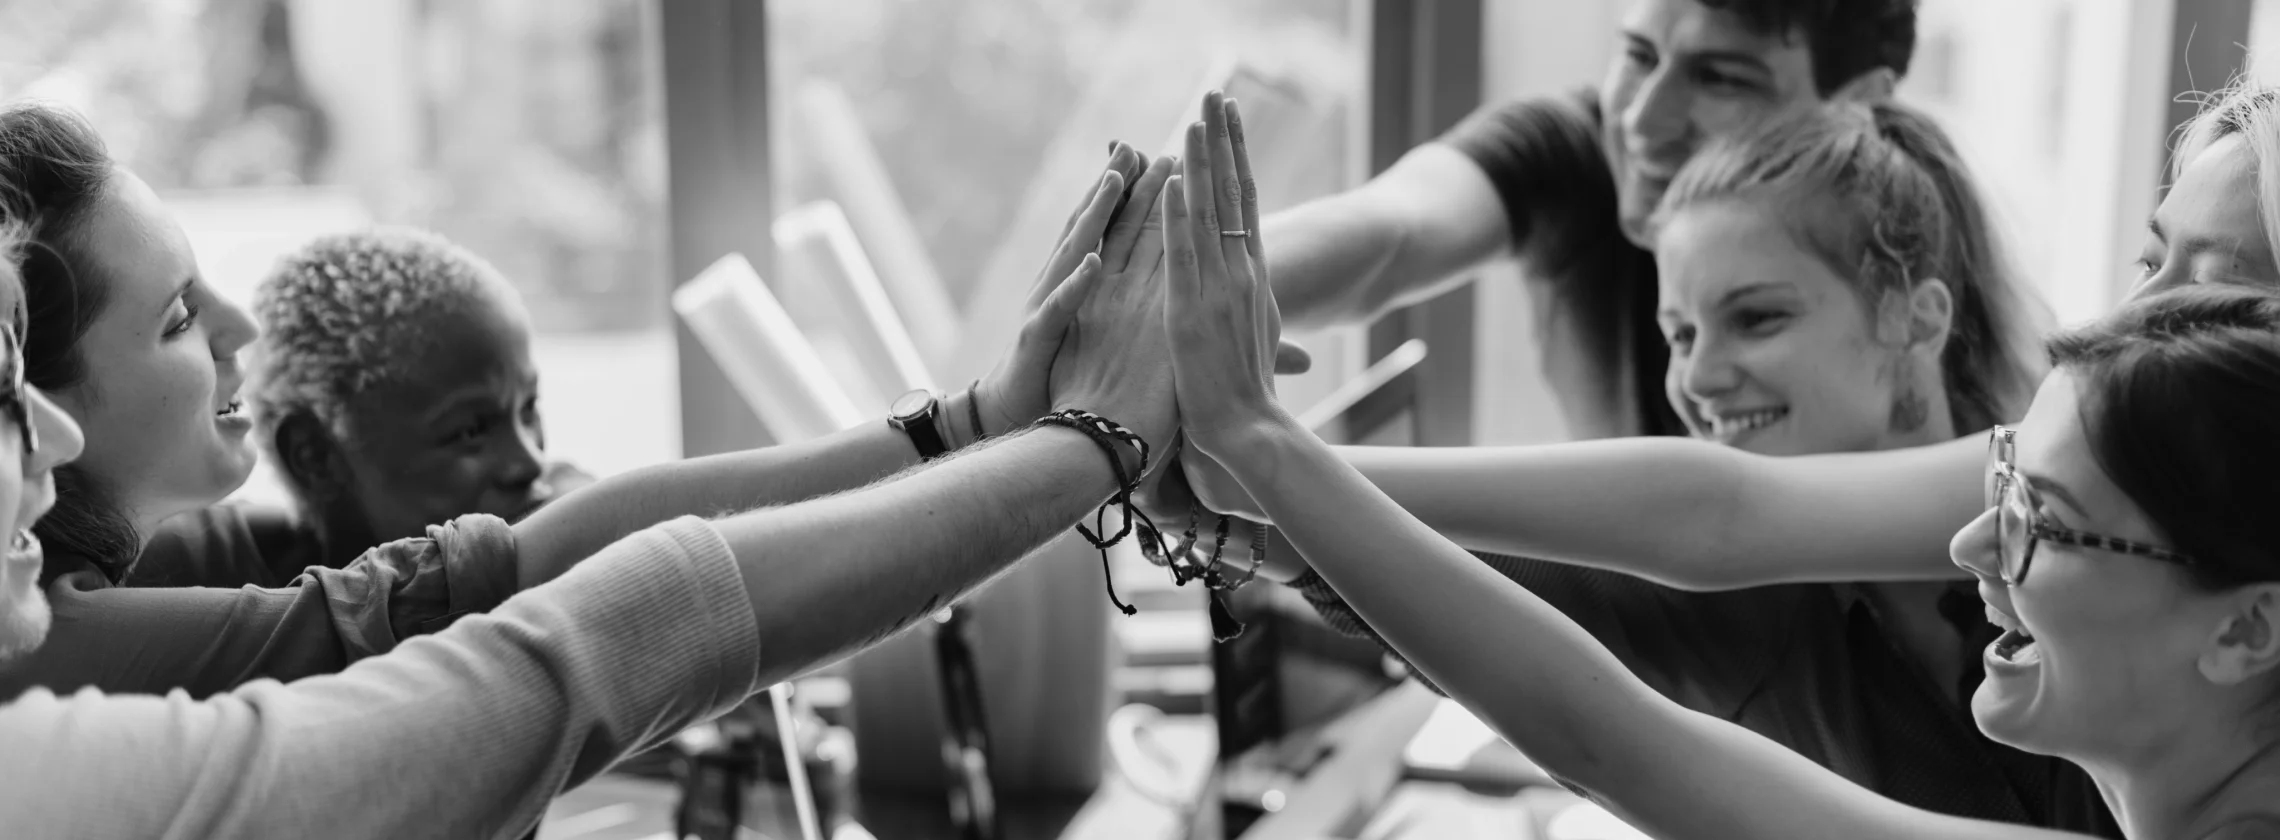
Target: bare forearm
[1328,257]
[831,576]
[1581,503]
[582,523]
[1439,603]
[1545,684]
[1691,514]
[1409,235]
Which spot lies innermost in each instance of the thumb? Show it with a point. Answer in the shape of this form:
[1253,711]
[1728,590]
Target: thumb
[1292,359]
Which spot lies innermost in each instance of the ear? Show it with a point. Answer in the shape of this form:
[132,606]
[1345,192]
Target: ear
[2247,645]
[310,456]
[1931,316]
[1868,88]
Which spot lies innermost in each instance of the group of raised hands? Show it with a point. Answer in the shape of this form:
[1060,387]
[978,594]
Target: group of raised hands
[1154,310]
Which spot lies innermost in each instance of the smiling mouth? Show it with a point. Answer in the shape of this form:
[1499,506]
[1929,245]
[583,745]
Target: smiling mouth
[1730,425]
[2016,644]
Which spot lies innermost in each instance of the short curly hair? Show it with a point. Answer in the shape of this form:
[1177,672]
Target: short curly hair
[338,314]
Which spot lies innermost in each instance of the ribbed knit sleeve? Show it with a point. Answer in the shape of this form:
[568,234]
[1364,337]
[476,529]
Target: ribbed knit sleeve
[466,733]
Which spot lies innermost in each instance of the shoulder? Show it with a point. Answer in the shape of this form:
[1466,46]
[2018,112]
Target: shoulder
[234,544]
[1560,129]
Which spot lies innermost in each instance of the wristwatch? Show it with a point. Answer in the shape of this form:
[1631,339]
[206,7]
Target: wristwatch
[914,414]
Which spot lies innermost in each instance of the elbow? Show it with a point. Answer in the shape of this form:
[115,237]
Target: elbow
[1382,284]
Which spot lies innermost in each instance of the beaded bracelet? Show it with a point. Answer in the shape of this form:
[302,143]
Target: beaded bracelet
[1109,437]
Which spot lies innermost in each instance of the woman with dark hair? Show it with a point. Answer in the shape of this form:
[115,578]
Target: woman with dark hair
[143,354]
[472,731]
[2118,550]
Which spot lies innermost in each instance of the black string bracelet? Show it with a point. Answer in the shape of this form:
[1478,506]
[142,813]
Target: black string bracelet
[1111,438]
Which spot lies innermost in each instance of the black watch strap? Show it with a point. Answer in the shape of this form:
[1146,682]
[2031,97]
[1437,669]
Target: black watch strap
[914,413]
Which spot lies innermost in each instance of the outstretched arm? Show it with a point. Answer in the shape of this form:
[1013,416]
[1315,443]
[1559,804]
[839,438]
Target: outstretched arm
[1682,513]
[508,709]
[580,523]
[1547,686]
[671,626]
[1695,515]
[1404,237]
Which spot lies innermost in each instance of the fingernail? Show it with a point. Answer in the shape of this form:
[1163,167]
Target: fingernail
[1112,144]
[1234,122]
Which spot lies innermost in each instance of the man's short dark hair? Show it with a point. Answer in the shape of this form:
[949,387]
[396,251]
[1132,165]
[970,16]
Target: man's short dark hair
[1847,37]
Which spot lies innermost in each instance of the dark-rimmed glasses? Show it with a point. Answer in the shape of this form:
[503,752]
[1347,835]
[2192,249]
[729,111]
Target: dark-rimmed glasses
[15,401]
[2018,527]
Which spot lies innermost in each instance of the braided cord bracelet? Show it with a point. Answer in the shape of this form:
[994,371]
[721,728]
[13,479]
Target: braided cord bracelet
[1180,561]
[1111,438]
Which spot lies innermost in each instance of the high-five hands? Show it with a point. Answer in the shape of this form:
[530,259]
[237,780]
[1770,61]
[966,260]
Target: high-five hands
[1220,311]
[1017,390]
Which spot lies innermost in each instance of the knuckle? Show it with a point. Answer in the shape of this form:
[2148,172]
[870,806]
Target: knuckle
[1250,191]
[1232,187]
[1184,257]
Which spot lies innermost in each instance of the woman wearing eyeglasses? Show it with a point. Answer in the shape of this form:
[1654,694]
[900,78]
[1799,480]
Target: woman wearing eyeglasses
[2125,553]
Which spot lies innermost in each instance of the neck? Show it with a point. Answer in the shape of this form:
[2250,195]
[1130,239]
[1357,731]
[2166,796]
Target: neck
[1938,424]
[342,533]
[2193,784]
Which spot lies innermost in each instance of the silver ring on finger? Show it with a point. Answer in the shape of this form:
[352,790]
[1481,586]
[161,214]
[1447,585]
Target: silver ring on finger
[1234,234]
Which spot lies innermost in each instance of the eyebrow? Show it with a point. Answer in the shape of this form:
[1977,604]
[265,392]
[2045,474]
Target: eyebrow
[477,397]
[1732,295]
[2052,488]
[180,289]
[1749,61]
[1712,54]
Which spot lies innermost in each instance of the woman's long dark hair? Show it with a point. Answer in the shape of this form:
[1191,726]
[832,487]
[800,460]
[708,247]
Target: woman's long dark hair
[54,170]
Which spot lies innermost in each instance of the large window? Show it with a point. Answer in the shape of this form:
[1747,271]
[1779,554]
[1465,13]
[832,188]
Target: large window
[527,131]
[937,146]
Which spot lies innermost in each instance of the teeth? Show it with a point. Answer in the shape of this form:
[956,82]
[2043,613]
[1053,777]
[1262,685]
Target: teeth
[1730,424]
[2003,619]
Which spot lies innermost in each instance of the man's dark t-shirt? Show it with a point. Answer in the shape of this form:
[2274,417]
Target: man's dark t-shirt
[1809,666]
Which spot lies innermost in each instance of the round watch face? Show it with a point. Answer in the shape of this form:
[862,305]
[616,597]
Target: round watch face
[911,405]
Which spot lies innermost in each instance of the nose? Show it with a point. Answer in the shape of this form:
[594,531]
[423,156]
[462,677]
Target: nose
[60,439]
[231,327]
[2172,275]
[1976,548]
[521,459]
[1657,123]
[1708,371]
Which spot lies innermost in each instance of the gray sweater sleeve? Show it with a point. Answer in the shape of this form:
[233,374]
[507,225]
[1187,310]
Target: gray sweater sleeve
[466,733]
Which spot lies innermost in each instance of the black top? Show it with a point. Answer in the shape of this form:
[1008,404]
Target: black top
[1807,665]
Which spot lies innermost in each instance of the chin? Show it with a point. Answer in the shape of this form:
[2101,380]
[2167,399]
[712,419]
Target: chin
[233,465]
[1636,216]
[24,621]
[2008,717]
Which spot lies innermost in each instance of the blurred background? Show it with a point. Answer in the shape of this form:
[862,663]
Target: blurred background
[600,152]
